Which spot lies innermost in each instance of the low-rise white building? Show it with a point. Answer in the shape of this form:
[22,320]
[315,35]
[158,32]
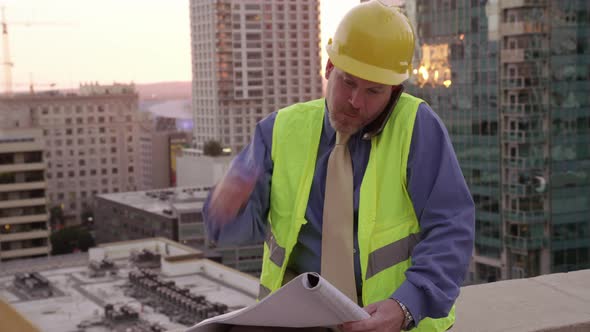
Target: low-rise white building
[195,169]
[172,213]
[181,289]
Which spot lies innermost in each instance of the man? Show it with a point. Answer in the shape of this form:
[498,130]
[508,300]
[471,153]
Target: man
[413,216]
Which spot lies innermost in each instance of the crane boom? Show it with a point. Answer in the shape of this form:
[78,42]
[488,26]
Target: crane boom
[7,63]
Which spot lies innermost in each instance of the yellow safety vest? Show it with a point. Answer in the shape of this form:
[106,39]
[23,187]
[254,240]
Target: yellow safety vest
[388,228]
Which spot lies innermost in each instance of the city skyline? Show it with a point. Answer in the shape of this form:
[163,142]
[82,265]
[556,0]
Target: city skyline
[66,42]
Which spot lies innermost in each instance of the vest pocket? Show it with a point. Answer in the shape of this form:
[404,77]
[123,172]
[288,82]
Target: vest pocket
[390,230]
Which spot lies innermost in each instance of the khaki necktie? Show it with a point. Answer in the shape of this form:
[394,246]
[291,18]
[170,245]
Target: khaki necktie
[337,238]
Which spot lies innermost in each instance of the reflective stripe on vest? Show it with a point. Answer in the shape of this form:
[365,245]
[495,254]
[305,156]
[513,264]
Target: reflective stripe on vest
[391,254]
[277,253]
[263,292]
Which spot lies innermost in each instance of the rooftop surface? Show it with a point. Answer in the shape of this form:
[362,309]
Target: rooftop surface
[550,303]
[77,301]
[156,201]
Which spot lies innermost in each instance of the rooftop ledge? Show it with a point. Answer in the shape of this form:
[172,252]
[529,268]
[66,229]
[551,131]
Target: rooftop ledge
[557,302]
[549,303]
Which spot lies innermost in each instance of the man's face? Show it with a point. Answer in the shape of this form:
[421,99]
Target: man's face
[353,102]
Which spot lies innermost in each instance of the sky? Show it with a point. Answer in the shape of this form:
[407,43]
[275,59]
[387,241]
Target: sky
[67,42]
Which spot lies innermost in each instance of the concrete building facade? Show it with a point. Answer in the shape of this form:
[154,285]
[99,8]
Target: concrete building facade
[90,141]
[24,228]
[162,139]
[196,169]
[159,150]
[250,58]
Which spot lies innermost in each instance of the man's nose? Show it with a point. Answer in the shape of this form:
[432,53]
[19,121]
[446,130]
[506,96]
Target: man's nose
[356,99]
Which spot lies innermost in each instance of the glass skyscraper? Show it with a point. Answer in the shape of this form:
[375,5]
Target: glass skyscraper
[511,81]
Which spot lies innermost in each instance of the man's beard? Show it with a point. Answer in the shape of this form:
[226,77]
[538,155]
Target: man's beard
[343,126]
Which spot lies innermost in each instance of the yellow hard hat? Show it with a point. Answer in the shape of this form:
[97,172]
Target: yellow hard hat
[374,42]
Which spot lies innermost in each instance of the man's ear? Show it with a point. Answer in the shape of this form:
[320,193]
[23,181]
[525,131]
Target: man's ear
[329,67]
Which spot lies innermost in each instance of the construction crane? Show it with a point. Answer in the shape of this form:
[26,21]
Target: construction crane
[7,63]
[32,85]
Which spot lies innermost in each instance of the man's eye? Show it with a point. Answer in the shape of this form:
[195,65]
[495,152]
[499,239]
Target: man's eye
[349,82]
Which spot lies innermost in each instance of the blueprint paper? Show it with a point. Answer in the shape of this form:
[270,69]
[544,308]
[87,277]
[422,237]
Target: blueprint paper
[306,301]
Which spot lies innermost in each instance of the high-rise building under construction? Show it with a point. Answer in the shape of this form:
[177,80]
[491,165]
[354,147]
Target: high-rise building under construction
[250,58]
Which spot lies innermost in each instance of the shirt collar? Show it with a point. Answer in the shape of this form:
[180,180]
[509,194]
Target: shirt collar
[372,129]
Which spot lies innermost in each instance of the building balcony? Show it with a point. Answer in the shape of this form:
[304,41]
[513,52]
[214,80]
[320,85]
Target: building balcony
[522,189]
[521,28]
[525,163]
[24,219]
[525,217]
[15,203]
[488,241]
[504,4]
[27,252]
[510,56]
[22,186]
[36,234]
[21,147]
[523,243]
[484,190]
[477,164]
[569,244]
[522,55]
[568,218]
[22,167]
[524,83]
[517,189]
[524,109]
[488,216]
[533,136]
[491,261]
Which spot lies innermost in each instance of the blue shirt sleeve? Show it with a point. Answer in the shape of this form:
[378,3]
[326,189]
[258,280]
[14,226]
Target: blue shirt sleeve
[446,213]
[249,227]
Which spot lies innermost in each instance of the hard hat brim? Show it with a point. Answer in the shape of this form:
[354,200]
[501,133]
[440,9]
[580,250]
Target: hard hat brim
[364,70]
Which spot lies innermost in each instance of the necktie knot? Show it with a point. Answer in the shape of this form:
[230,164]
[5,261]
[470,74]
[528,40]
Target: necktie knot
[342,138]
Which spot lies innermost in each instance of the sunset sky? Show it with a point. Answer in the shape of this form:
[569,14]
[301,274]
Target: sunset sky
[75,41]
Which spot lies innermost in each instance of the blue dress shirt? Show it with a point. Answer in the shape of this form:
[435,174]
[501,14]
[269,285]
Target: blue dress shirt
[439,194]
